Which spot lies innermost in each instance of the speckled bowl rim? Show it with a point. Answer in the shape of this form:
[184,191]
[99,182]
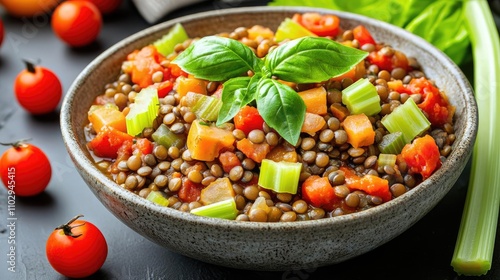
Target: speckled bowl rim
[460,150]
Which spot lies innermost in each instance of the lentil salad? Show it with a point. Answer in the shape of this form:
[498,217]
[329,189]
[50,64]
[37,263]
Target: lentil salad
[336,175]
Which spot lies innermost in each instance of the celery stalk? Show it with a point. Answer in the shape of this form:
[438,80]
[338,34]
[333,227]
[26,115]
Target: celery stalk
[408,119]
[207,108]
[476,237]
[386,159]
[225,209]
[158,198]
[361,97]
[143,112]
[281,177]
[392,143]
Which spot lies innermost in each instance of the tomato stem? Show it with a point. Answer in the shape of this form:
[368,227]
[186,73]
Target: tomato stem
[17,144]
[67,227]
[30,66]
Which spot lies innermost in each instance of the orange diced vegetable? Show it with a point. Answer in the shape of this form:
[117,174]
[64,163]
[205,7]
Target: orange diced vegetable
[283,152]
[108,141]
[205,142]
[312,123]
[228,160]
[356,73]
[260,32]
[359,129]
[143,63]
[107,116]
[318,192]
[339,111]
[257,152]
[144,146]
[248,119]
[219,190]
[185,85]
[363,36]
[422,156]
[315,100]
[370,184]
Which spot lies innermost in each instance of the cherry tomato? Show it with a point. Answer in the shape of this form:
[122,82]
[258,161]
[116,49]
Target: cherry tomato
[78,23]
[25,169]
[38,90]
[29,8]
[106,6]
[321,25]
[76,249]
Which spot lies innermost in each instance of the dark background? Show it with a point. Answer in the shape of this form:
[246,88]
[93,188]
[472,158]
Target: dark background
[422,252]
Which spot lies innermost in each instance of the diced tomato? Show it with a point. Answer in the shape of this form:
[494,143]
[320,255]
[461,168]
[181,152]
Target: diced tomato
[108,141]
[435,104]
[321,25]
[144,63]
[422,156]
[228,160]
[370,184]
[163,88]
[144,146]
[318,192]
[257,152]
[248,119]
[189,191]
[388,62]
[123,153]
[362,35]
[176,71]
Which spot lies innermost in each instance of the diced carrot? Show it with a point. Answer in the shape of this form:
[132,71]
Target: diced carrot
[356,73]
[315,100]
[359,129]
[228,160]
[283,152]
[370,184]
[185,85]
[339,111]
[318,192]
[312,123]
[107,116]
[219,190]
[260,32]
[397,85]
[257,152]
[205,142]
[144,146]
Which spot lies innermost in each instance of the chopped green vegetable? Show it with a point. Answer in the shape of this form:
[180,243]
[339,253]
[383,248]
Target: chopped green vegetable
[165,45]
[289,29]
[408,119]
[281,177]
[158,198]
[225,209]
[143,112]
[386,159]
[392,143]
[165,137]
[476,238]
[207,108]
[361,97]
[222,59]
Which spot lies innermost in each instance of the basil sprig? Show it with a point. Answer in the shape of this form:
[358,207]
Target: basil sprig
[303,60]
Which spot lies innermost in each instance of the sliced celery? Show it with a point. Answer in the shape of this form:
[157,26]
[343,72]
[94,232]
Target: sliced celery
[281,177]
[392,143]
[289,29]
[207,108]
[165,137]
[408,119]
[475,244]
[361,97]
[158,198]
[386,159]
[225,209]
[165,45]
[143,111]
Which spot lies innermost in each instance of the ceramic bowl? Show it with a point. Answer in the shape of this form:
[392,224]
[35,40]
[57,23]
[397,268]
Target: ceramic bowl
[269,246]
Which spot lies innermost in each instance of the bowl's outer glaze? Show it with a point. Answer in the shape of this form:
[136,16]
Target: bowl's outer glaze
[269,246]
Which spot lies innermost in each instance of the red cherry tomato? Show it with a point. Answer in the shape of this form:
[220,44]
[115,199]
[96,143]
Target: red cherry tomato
[76,249]
[38,90]
[321,25]
[106,6]
[78,23]
[1,32]
[29,8]
[25,169]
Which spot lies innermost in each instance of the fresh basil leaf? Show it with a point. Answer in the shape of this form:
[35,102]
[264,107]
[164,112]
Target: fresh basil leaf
[312,60]
[235,95]
[217,58]
[281,108]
